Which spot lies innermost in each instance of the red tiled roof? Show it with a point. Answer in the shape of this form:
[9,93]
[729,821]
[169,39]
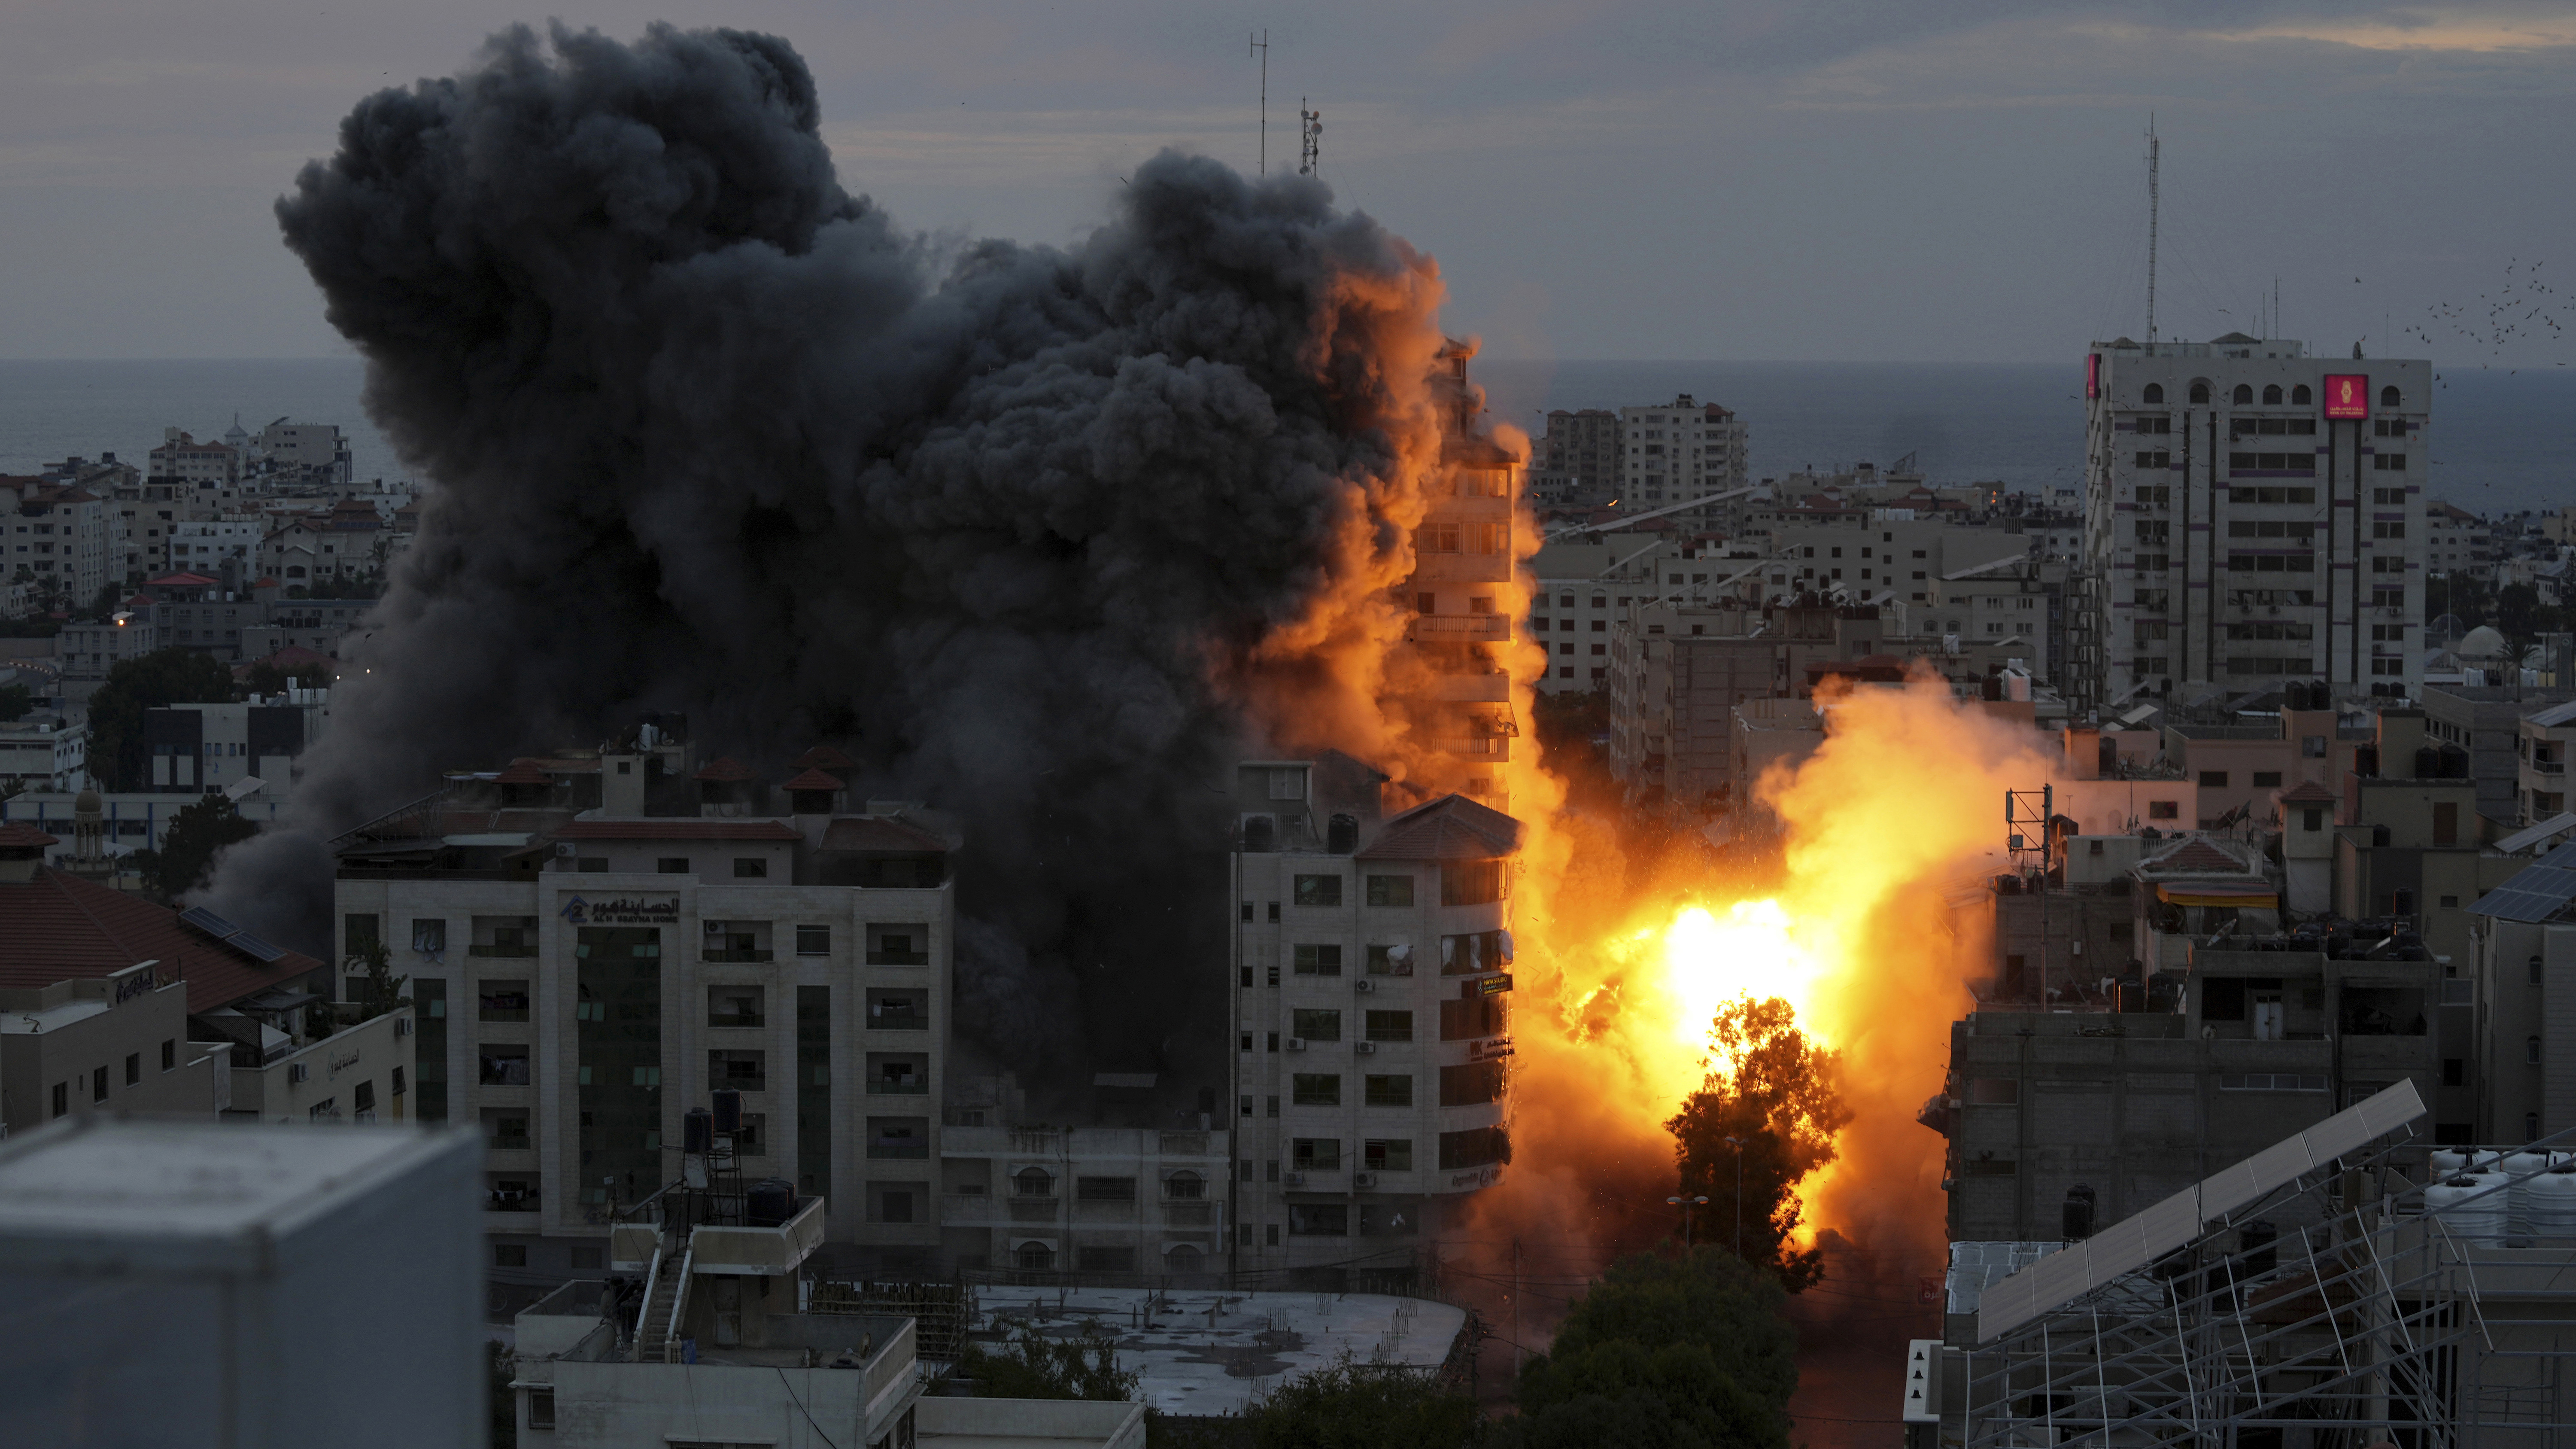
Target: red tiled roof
[823,757]
[678,828]
[522,771]
[876,833]
[183,581]
[2198,856]
[2310,793]
[1452,827]
[18,835]
[59,926]
[812,780]
[724,770]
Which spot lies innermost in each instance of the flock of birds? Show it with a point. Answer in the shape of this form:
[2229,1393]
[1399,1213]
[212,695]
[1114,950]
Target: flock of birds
[2524,307]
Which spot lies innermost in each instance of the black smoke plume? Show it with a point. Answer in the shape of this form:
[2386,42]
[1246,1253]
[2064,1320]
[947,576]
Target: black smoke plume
[710,434]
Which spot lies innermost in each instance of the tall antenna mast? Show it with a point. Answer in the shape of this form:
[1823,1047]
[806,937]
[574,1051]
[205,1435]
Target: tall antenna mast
[1310,137]
[1261,44]
[2152,204]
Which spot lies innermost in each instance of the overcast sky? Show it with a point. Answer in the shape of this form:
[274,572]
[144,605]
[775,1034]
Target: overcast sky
[1860,179]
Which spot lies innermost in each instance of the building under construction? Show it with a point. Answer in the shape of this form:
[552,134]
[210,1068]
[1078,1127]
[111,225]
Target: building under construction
[2342,1288]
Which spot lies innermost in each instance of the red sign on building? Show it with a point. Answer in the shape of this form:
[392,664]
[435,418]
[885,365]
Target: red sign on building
[2347,395]
[2092,375]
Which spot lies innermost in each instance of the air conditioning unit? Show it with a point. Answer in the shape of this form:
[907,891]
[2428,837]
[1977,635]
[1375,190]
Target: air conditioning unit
[1364,1047]
[1292,1179]
[402,1026]
[1296,1043]
[1363,1179]
[299,1072]
[564,848]
[1364,984]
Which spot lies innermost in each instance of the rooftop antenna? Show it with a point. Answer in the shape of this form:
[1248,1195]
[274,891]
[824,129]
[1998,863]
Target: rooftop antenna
[2153,158]
[1260,44]
[1310,137]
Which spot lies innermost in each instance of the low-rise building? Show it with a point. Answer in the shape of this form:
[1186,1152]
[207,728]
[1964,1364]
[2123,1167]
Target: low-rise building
[112,1043]
[2543,744]
[198,749]
[44,751]
[87,650]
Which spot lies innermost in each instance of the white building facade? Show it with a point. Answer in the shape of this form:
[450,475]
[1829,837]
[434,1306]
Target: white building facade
[2253,514]
[1681,450]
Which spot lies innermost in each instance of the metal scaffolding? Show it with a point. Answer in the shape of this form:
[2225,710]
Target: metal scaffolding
[2366,1300]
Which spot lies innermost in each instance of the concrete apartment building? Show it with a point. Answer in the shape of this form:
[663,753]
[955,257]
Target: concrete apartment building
[2251,513]
[1581,457]
[586,972]
[2543,744]
[2525,979]
[112,1043]
[1681,450]
[185,463]
[1086,1200]
[1463,591]
[199,749]
[2138,1104]
[56,536]
[2486,721]
[85,652]
[45,752]
[1371,963]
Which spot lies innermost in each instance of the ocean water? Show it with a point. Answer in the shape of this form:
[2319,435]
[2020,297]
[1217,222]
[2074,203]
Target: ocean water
[2503,442]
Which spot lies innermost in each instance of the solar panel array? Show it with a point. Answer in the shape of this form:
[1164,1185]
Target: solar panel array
[230,934]
[2139,1239]
[2537,892]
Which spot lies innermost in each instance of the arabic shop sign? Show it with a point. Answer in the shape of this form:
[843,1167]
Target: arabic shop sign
[621,911]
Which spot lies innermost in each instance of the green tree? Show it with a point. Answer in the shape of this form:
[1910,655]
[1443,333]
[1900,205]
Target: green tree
[189,844]
[147,681]
[378,990]
[1034,1367]
[1778,1096]
[1691,1351]
[2520,616]
[1364,1406]
[15,701]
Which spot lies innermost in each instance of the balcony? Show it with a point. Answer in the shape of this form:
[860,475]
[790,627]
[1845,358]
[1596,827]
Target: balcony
[888,1087]
[1189,1214]
[2549,767]
[1029,1208]
[1462,628]
[894,958]
[736,955]
[483,949]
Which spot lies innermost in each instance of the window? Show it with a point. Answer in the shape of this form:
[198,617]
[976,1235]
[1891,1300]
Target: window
[591,865]
[1390,890]
[133,1068]
[750,867]
[2300,396]
[429,937]
[1313,1154]
[1318,890]
[1388,1025]
[1315,1024]
[1319,960]
[672,865]
[1474,882]
[2164,810]
[1033,1182]
[1323,1220]
[1380,1154]
[2243,395]
[1104,1189]
[62,1098]
[2213,779]
[2531,1050]
[1387,1091]
[501,1001]
[1471,1085]
[813,940]
[502,1066]
[1474,1148]
[2388,397]
[365,1100]
[358,933]
[743,1071]
[734,1006]
[509,1255]
[1315,1089]
[170,1054]
[2155,393]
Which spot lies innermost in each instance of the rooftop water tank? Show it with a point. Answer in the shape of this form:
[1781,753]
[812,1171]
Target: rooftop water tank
[2472,1206]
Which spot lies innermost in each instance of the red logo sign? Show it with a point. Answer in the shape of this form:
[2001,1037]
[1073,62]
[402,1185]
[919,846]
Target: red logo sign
[2092,375]
[2347,395]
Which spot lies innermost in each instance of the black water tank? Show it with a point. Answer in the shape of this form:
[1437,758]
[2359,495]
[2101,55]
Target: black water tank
[2428,763]
[695,1130]
[2379,835]
[2256,1253]
[2107,759]
[769,1202]
[2455,763]
[1342,834]
[2077,1217]
[2365,761]
[2007,885]
[728,1103]
[1260,835]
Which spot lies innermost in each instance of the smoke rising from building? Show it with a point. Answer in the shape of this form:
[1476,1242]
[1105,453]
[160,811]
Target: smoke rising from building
[1020,528]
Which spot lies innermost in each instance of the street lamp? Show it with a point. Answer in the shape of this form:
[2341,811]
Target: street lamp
[1686,1204]
[1738,1144]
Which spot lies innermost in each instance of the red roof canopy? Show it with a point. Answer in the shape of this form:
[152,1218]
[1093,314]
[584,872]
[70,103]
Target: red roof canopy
[183,581]
[58,927]
[1452,827]
[813,780]
[823,757]
[18,835]
[522,771]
